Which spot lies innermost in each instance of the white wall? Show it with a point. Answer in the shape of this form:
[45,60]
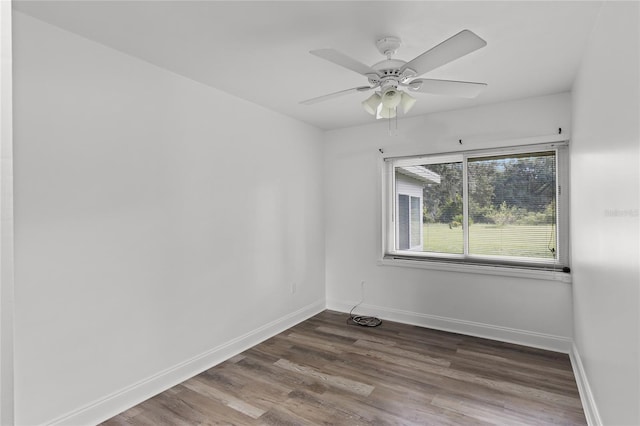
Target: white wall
[6,218]
[536,312]
[604,218]
[157,220]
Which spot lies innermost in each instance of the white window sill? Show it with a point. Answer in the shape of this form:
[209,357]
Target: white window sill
[479,269]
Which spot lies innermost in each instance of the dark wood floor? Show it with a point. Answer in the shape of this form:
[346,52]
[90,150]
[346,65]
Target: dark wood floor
[324,371]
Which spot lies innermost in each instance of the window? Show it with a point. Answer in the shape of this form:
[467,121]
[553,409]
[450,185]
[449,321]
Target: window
[499,207]
[409,222]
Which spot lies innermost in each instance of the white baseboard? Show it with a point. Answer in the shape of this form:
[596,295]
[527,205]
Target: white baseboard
[111,405]
[586,396]
[488,331]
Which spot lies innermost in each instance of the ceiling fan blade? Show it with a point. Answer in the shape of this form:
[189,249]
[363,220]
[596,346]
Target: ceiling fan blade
[336,94]
[453,48]
[462,89]
[343,60]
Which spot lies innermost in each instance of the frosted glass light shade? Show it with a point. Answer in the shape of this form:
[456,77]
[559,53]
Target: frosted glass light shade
[386,112]
[371,104]
[407,102]
[391,98]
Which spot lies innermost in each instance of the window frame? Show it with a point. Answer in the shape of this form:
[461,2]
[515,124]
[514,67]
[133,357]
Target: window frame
[489,264]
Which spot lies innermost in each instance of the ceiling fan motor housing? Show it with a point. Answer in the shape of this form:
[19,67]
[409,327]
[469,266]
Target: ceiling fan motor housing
[391,70]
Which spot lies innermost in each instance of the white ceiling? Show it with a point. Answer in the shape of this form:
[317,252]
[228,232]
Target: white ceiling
[258,51]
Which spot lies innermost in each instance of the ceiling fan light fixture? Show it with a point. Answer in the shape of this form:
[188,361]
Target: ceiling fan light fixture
[407,102]
[371,104]
[391,98]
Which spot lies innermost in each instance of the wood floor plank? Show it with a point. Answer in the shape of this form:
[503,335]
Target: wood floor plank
[327,371]
[331,380]
[479,411]
[200,385]
[402,353]
[215,411]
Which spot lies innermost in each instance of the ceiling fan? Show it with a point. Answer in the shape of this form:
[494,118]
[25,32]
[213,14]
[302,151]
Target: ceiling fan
[392,75]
